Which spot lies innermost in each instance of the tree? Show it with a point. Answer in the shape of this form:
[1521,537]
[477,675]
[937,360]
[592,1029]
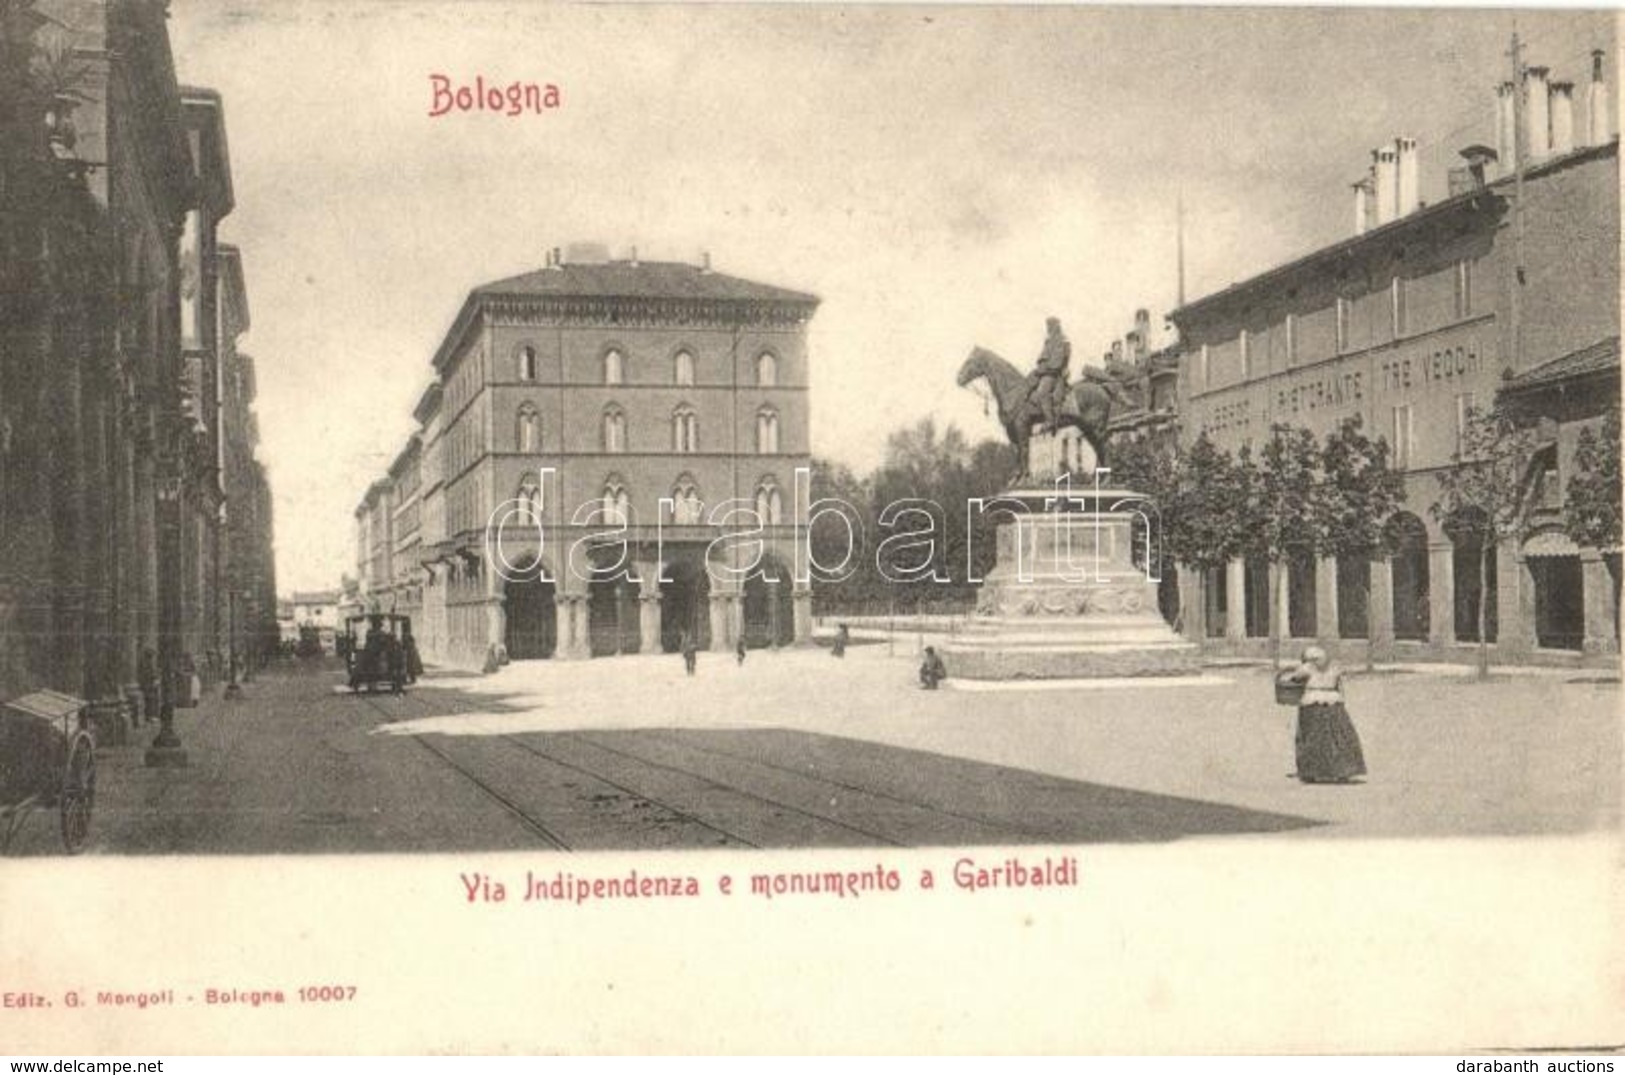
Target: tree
[1591,505]
[1360,493]
[830,544]
[1151,466]
[1288,494]
[1483,496]
[1206,510]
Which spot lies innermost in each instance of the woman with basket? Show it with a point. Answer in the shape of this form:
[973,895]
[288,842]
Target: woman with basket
[1328,747]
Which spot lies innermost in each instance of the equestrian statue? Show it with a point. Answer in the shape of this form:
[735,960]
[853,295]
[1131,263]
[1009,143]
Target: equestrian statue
[1044,396]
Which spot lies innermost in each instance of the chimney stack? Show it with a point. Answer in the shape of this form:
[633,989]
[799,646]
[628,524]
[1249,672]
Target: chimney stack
[1506,149]
[558,258]
[634,257]
[1597,103]
[1364,203]
[1386,168]
[1410,180]
[1476,172]
[705,261]
[1562,105]
[1142,332]
[1537,114]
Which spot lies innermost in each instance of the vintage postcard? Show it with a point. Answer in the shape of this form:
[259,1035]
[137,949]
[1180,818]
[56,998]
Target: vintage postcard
[633,528]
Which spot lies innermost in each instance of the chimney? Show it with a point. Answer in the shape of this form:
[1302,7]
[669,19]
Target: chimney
[1410,182]
[634,257]
[1562,104]
[1476,172]
[1597,103]
[558,259]
[1506,149]
[705,261]
[1364,204]
[1142,332]
[1537,114]
[1386,167]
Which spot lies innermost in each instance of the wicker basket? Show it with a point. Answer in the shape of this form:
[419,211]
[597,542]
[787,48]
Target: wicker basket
[1288,691]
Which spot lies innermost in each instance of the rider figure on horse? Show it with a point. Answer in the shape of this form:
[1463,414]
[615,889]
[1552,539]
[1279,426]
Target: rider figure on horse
[1047,383]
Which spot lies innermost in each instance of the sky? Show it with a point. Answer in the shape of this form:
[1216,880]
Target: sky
[942,177]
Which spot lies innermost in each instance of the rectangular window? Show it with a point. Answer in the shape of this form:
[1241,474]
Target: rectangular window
[1464,289]
[1402,436]
[1291,334]
[1201,367]
[1342,325]
[1398,299]
[1464,411]
[1245,343]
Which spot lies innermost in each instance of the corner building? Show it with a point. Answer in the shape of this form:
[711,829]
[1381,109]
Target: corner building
[586,396]
[1410,324]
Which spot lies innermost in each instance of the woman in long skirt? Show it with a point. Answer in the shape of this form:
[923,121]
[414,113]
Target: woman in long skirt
[1327,745]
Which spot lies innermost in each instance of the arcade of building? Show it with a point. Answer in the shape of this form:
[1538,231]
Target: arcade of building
[1410,324]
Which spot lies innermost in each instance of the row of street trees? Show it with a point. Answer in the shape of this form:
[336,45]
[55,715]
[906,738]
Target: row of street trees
[1296,497]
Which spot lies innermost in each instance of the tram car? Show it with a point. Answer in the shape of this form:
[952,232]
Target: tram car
[379,652]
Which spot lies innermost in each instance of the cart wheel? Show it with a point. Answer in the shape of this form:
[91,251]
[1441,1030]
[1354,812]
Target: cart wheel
[78,792]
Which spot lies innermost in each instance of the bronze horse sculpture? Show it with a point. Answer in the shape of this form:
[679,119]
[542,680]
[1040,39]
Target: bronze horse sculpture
[1086,407]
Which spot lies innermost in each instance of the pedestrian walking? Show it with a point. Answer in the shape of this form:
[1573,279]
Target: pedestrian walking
[932,670]
[842,637]
[739,650]
[691,653]
[1327,746]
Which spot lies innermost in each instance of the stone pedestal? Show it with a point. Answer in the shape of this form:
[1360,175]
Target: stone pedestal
[1066,601]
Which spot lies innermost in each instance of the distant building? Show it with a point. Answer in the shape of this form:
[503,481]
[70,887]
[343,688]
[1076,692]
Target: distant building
[585,396]
[1409,324]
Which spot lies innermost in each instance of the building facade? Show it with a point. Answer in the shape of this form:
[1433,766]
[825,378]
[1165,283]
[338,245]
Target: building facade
[115,177]
[1426,314]
[606,463]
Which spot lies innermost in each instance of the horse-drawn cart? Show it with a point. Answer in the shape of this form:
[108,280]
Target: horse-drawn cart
[47,761]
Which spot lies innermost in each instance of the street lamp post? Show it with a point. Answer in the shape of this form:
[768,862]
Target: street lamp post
[166,750]
[234,688]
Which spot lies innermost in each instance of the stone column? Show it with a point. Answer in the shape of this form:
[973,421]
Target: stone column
[801,600]
[1380,609]
[721,622]
[649,622]
[1515,603]
[1235,590]
[1280,601]
[1441,593]
[576,645]
[1326,598]
[1599,603]
[1193,603]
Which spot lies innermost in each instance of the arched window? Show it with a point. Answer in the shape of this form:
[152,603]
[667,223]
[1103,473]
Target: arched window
[614,429]
[685,429]
[767,431]
[767,369]
[527,363]
[617,502]
[530,502]
[614,368]
[769,503]
[687,509]
[530,429]
[683,368]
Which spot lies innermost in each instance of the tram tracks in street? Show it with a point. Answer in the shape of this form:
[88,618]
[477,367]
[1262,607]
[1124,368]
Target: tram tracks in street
[692,797]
